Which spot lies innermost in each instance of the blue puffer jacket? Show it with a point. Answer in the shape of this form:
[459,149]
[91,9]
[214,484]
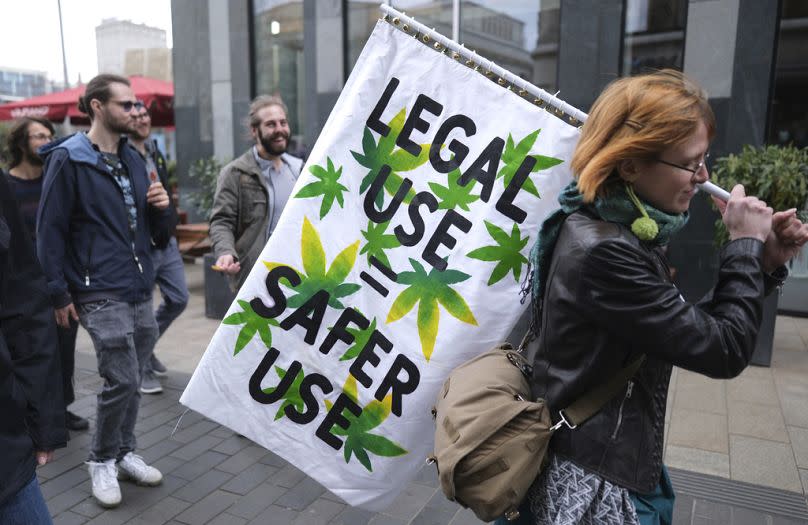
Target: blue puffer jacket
[83,238]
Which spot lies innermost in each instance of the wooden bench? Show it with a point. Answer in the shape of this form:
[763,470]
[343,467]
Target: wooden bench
[192,239]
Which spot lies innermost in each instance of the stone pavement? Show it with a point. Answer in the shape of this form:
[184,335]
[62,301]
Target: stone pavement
[740,471]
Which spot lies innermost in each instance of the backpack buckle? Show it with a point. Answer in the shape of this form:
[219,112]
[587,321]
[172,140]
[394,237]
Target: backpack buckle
[564,422]
[519,362]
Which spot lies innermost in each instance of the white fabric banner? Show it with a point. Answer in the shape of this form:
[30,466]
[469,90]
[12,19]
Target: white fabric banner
[399,256]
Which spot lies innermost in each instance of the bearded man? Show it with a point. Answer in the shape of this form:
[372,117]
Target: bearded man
[99,218]
[252,191]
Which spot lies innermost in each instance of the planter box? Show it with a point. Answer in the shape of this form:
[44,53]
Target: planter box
[218,296]
[762,355]
[794,300]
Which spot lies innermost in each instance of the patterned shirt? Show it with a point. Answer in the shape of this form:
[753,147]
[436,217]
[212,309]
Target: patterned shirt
[119,172]
[148,158]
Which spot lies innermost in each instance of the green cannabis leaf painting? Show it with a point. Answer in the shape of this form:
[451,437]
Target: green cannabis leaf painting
[253,323]
[314,276]
[429,291]
[360,340]
[515,154]
[507,253]
[454,195]
[327,185]
[378,241]
[384,152]
[292,395]
[358,439]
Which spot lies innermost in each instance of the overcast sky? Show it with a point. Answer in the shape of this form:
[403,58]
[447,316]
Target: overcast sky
[29,32]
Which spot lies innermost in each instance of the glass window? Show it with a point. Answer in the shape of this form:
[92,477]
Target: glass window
[279,67]
[362,18]
[789,110]
[521,36]
[654,35]
[435,14]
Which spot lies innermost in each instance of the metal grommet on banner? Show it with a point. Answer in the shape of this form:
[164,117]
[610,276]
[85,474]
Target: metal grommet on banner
[573,121]
[522,93]
[501,81]
[539,102]
[396,21]
[456,55]
[439,46]
[426,39]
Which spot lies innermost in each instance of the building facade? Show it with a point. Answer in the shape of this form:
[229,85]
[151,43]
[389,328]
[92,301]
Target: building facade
[19,84]
[113,38]
[748,54]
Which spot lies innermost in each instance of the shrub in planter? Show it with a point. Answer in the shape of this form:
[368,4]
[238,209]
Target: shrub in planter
[204,173]
[777,175]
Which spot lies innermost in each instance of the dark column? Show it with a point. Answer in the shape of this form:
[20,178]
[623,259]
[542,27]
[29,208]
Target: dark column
[192,89]
[324,58]
[589,49]
[240,64]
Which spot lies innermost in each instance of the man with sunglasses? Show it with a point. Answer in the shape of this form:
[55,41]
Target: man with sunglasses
[169,269]
[98,219]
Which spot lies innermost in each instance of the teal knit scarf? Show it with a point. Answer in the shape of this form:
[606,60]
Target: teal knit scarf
[616,206]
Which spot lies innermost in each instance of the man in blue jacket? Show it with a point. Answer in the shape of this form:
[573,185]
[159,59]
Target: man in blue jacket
[98,219]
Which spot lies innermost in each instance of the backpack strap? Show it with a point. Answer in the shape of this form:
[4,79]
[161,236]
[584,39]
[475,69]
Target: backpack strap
[590,403]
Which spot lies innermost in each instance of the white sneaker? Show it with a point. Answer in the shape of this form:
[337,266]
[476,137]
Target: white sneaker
[132,467]
[104,476]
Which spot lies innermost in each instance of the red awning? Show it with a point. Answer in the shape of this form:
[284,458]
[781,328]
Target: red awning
[158,96]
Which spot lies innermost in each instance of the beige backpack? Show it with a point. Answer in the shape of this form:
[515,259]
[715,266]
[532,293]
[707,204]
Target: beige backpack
[491,440]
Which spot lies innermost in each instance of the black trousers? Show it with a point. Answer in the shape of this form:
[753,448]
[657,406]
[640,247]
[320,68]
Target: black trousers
[67,355]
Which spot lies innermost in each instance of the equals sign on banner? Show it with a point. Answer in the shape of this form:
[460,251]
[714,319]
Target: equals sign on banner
[385,270]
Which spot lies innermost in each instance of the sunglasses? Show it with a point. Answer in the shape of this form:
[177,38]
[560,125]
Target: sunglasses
[128,105]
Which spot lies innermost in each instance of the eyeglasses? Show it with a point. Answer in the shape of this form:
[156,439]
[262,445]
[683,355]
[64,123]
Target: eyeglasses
[127,106]
[692,170]
[142,112]
[41,136]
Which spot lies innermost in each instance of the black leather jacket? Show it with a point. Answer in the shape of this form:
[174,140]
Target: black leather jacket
[609,299]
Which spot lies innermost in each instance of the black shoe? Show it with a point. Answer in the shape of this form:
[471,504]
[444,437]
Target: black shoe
[74,422]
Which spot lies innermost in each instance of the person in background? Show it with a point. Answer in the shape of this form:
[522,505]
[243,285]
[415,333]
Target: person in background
[26,136]
[98,219]
[32,425]
[169,270]
[252,191]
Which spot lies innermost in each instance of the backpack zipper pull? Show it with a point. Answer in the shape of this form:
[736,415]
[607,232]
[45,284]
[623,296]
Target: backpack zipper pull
[87,278]
[139,267]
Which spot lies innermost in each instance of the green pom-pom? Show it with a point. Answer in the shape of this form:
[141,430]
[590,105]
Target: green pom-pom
[645,228]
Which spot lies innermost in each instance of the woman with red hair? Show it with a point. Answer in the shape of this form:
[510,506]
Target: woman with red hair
[603,297]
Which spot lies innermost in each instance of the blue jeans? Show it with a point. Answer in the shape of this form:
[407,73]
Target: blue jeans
[26,507]
[170,278]
[124,335]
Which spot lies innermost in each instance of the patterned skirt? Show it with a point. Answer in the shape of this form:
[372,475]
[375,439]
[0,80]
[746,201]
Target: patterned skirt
[565,494]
